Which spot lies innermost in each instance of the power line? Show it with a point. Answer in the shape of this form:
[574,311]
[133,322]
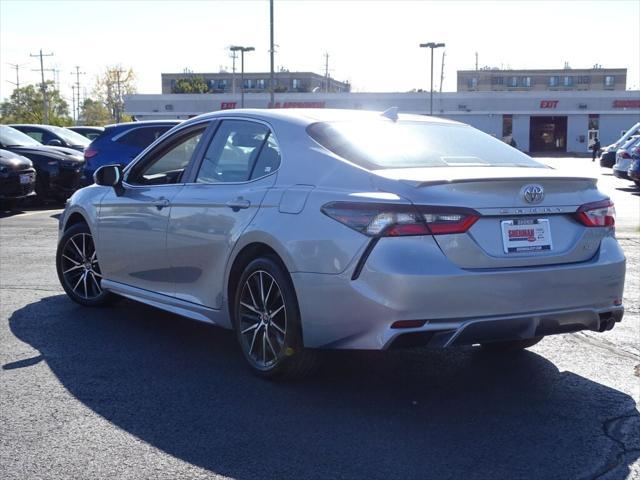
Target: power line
[16,66]
[43,85]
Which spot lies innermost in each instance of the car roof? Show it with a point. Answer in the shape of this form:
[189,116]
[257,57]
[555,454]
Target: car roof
[312,115]
[39,125]
[143,123]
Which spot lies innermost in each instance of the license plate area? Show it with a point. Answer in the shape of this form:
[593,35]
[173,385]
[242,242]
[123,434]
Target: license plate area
[526,235]
[25,178]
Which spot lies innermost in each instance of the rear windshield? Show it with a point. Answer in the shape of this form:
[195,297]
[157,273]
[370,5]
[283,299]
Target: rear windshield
[381,144]
[71,137]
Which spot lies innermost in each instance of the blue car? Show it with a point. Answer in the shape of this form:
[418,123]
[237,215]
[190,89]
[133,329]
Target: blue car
[122,142]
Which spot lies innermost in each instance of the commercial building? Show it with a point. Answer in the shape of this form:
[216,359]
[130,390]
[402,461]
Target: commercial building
[546,121]
[285,81]
[560,80]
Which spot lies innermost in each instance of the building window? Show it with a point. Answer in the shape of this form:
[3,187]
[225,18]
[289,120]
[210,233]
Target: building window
[296,83]
[513,81]
[222,84]
[609,81]
[260,84]
[472,83]
[507,128]
[526,81]
[582,80]
[497,80]
[594,122]
[554,81]
[248,83]
[567,81]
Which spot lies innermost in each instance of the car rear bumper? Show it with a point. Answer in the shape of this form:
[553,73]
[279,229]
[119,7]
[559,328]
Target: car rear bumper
[620,174]
[457,306]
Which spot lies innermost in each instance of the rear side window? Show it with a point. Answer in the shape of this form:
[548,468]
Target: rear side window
[384,144]
[142,137]
[239,151]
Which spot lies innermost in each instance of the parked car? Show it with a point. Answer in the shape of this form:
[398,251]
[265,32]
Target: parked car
[634,169]
[58,169]
[608,156]
[87,131]
[17,178]
[54,136]
[309,229]
[624,157]
[121,143]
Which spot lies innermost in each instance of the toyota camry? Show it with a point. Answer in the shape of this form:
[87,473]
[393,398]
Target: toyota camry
[319,229]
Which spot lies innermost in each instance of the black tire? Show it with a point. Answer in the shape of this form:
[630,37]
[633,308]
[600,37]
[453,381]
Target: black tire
[72,265]
[511,346]
[288,358]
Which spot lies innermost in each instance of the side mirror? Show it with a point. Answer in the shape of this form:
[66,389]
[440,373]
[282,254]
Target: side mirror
[54,142]
[109,176]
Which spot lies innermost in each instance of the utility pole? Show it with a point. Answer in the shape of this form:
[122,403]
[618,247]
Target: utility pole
[476,61]
[17,82]
[119,95]
[442,71]
[432,46]
[77,73]
[234,55]
[271,54]
[43,86]
[73,99]
[242,50]
[326,72]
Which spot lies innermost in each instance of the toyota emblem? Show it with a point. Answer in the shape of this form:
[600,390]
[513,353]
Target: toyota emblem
[533,193]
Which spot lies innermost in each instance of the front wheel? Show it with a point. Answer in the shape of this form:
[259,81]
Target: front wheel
[511,346]
[267,322]
[78,268]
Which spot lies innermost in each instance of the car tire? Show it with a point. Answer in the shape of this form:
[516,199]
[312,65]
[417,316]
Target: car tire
[78,268]
[267,322]
[511,345]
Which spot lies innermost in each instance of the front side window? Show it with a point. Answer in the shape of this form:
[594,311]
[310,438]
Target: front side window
[380,144]
[167,165]
[37,135]
[142,137]
[239,151]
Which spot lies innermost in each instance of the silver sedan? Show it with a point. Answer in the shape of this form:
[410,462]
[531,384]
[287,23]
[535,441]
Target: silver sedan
[333,229]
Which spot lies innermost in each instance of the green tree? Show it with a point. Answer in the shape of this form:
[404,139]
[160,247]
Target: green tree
[190,85]
[111,88]
[94,112]
[26,106]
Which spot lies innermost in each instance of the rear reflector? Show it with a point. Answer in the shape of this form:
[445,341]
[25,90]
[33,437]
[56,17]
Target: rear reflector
[393,220]
[90,152]
[597,214]
[408,324]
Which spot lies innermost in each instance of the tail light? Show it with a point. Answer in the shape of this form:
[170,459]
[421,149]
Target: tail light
[624,154]
[597,214]
[392,220]
[90,153]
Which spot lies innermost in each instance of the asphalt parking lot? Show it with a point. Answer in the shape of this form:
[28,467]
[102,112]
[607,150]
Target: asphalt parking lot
[132,392]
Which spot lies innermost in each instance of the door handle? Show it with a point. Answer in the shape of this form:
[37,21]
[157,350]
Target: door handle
[238,203]
[161,203]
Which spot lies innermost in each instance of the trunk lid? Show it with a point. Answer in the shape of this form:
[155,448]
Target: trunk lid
[511,231]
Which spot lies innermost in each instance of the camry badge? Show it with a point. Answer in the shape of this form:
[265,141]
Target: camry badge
[533,193]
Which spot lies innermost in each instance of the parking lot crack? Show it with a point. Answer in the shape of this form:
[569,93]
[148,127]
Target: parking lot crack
[621,430]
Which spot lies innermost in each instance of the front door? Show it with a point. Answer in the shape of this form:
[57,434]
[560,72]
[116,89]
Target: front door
[132,224]
[210,213]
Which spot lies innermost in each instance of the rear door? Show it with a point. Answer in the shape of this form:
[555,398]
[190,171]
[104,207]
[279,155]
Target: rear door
[212,210]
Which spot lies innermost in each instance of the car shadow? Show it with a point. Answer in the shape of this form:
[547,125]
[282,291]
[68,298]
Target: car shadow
[24,208]
[183,388]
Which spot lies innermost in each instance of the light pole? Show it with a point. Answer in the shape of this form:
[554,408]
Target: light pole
[240,49]
[432,46]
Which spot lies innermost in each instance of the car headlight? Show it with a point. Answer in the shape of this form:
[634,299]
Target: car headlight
[4,171]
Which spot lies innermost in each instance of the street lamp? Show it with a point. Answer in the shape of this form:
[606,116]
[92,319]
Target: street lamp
[240,49]
[432,46]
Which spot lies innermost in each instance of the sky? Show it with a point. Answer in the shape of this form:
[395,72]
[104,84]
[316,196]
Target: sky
[372,44]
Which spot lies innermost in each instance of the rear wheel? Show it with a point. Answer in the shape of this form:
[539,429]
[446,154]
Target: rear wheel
[267,322]
[511,346]
[78,268]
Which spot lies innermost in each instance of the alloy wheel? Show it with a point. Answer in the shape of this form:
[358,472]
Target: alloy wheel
[262,319]
[80,268]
